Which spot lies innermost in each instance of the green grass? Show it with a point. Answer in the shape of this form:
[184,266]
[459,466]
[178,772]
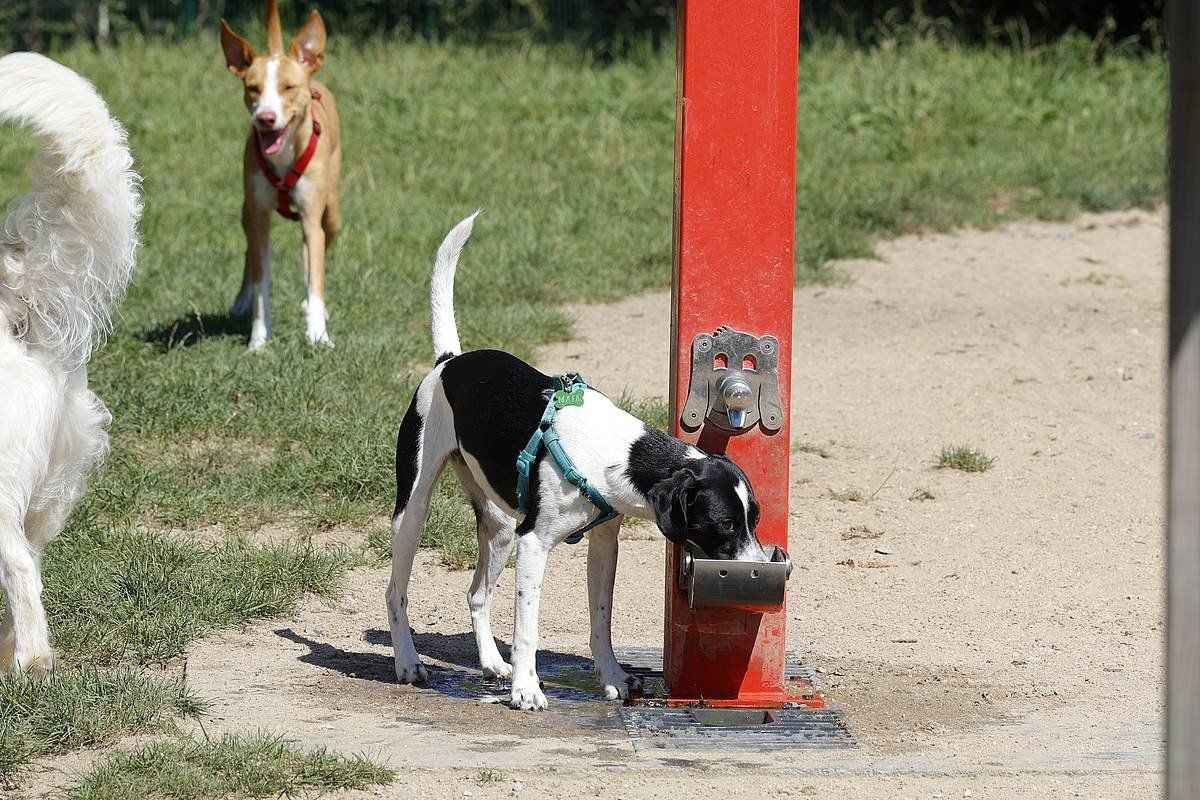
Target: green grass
[116,597]
[251,766]
[82,708]
[574,164]
[450,527]
[119,598]
[965,458]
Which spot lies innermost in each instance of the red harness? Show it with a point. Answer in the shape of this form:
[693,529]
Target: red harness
[283,186]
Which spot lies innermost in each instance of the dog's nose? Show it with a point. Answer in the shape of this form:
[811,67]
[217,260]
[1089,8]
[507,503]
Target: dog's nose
[266,117]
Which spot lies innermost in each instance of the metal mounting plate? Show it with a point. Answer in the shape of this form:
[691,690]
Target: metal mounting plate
[735,349]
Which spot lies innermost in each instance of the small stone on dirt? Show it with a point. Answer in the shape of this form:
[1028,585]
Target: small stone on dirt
[884,551]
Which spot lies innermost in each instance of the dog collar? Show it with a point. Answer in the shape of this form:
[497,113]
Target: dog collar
[283,186]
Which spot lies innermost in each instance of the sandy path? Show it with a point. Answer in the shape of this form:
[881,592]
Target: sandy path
[1009,646]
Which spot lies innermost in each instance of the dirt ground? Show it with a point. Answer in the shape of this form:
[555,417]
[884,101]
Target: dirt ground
[1008,644]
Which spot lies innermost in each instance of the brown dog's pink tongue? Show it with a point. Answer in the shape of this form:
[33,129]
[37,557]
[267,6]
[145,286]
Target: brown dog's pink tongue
[271,142]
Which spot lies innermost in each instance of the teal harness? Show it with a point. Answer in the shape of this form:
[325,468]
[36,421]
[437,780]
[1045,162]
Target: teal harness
[568,391]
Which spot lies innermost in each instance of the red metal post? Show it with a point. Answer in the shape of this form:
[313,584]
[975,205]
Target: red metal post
[735,159]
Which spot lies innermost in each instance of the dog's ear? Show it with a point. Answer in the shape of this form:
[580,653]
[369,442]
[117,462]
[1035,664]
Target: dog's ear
[671,499]
[238,52]
[308,46]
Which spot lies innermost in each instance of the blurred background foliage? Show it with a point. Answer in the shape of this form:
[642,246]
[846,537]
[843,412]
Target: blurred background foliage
[605,27]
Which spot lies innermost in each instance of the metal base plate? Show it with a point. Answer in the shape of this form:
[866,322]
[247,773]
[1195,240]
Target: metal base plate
[665,728]
[576,701]
[653,727]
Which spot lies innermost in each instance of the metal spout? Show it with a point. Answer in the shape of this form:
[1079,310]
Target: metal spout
[738,397]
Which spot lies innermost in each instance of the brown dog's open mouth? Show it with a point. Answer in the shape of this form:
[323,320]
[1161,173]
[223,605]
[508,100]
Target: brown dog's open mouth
[271,142]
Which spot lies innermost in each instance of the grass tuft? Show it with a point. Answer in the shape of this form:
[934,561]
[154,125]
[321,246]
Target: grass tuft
[861,532]
[652,411]
[235,766]
[965,459]
[486,776]
[82,708]
[811,449]
[851,494]
[115,596]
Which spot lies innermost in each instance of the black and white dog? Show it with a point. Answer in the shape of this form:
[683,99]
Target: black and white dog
[477,411]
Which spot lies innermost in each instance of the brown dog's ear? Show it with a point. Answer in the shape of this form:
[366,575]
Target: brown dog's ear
[308,46]
[670,499]
[238,52]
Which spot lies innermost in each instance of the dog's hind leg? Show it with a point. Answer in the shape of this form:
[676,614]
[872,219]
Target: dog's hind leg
[25,636]
[30,408]
[425,441]
[7,641]
[497,532]
[601,574]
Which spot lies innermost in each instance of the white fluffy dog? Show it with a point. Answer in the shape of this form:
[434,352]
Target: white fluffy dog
[66,255]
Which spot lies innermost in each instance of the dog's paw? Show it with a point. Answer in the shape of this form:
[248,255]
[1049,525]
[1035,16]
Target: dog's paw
[321,339]
[498,669]
[257,343]
[411,673]
[528,698]
[38,664]
[621,686]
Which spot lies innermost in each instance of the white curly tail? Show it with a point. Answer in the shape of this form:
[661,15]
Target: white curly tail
[441,289]
[67,249]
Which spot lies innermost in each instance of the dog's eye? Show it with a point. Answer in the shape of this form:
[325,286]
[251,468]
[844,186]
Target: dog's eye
[291,87]
[727,524]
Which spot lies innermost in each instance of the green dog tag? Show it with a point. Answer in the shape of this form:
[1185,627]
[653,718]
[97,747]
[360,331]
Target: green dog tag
[571,397]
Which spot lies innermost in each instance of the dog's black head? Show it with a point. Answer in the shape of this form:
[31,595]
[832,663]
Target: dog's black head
[710,502]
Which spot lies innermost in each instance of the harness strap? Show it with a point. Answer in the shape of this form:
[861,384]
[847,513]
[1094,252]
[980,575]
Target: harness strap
[283,186]
[546,436]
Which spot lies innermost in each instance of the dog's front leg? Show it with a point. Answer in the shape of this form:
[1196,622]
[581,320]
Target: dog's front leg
[601,574]
[257,224]
[314,277]
[245,295]
[532,554]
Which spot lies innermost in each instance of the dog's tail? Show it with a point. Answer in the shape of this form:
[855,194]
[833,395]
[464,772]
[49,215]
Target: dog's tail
[67,249]
[441,290]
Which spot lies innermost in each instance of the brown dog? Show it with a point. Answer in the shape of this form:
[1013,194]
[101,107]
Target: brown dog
[292,162]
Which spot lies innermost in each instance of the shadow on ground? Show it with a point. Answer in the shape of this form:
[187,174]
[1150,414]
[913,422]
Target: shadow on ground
[453,666]
[191,329]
